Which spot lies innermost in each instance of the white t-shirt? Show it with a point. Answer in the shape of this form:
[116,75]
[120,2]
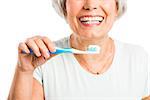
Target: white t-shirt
[63,78]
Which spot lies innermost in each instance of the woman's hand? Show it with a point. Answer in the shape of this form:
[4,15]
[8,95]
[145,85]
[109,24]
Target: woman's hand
[146,98]
[40,46]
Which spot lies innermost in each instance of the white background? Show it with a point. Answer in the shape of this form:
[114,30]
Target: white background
[20,19]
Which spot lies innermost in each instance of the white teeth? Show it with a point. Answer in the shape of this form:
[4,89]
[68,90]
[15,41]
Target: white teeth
[91,19]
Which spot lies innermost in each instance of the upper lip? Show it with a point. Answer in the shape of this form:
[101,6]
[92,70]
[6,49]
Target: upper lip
[90,16]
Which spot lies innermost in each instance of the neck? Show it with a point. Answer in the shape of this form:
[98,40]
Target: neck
[82,43]
[105,43]
[95,61]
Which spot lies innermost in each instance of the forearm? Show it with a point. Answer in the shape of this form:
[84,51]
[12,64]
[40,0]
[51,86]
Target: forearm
[22,86]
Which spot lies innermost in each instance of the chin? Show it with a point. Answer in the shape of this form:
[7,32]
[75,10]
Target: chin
[92,35]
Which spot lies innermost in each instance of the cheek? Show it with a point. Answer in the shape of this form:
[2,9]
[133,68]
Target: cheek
[111,12]
[73,7]
[110,7]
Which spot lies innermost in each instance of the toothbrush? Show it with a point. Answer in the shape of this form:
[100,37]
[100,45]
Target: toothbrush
[92,49]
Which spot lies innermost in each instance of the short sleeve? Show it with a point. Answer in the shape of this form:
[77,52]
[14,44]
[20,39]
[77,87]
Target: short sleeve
[37,74]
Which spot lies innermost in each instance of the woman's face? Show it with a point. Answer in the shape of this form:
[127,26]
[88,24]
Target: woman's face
[91,18]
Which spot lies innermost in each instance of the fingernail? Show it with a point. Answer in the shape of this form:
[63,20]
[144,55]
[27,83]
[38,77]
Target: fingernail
[27,51]
[38,54]
[54,49]
[47,55]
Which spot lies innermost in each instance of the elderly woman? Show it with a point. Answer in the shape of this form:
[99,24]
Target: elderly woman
[118,72]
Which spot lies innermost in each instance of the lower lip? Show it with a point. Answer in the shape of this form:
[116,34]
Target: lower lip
[94,24]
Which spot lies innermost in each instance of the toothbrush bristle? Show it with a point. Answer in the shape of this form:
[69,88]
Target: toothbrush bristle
[94,48]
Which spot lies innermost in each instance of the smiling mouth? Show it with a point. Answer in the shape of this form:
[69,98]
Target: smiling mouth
[91,20]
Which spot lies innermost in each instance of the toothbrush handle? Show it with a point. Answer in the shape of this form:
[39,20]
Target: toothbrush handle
[58,51]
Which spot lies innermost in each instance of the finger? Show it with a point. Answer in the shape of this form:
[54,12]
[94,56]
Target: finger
[50,45]
[23,48]
[42,47]
[32,45]
[36,37]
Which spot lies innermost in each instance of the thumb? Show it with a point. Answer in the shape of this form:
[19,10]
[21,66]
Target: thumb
[41,60]
[38,61]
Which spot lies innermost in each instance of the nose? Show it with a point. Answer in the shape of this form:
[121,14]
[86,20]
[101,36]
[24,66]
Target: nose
[91,4]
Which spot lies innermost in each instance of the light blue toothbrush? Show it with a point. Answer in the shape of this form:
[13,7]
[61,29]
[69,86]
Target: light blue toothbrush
[92,49]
